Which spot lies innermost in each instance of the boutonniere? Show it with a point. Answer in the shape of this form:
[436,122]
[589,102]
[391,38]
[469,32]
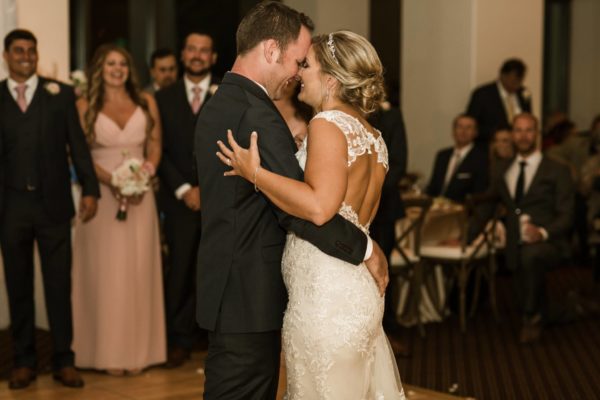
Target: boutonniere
[213,89]
[526,94]
[52,87]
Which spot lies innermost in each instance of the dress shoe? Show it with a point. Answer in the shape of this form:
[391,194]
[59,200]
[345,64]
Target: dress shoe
[531,330]
[69,377]
[21,377]
[176,357]
[398,348]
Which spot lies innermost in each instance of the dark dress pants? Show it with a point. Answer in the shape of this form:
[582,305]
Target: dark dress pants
[24,221]
[242,366]
[182,232]
[382,231]
[529,279]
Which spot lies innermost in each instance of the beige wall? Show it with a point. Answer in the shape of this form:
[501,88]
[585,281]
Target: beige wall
[449,48]
[584,95]
[49,21]
[495,41]
[332,15]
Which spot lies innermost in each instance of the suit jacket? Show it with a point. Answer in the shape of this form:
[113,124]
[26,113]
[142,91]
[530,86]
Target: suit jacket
[239,282]
[470,177]
[178,165]
[61,140]
[391,125]
[549,202]
[487,107]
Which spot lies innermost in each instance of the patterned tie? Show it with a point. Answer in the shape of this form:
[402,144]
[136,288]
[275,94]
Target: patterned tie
[520,189]
[510,109]
[196,102]
[21,100]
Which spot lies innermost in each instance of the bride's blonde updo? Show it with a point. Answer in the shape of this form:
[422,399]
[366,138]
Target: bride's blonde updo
[353,61]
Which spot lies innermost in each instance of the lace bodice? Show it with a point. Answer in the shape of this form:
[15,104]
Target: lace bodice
[360,140]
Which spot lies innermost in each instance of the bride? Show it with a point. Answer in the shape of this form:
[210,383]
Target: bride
[333,339]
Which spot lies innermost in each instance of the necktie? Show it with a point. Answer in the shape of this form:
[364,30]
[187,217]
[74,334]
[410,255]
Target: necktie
[452,167]
[196,103]
[510,109]
[520,189]
[21,100]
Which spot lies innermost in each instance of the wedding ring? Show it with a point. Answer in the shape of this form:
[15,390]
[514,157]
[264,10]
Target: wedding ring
[228,161]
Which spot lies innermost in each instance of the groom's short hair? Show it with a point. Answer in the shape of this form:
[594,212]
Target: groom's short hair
[270,20]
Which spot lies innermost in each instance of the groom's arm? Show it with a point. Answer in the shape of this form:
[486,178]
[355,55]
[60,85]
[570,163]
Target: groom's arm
[338,237]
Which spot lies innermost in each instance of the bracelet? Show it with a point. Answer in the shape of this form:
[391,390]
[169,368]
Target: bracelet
[254,178]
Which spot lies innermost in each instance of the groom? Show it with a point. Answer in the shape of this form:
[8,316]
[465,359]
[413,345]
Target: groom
[241,295]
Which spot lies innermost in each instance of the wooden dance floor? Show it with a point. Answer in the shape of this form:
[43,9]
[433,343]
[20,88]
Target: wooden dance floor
[184,383]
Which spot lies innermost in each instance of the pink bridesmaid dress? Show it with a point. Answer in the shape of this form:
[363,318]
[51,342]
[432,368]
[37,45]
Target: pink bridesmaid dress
[118,308]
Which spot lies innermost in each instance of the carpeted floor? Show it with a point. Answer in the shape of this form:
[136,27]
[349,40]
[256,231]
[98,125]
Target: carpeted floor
[487,362]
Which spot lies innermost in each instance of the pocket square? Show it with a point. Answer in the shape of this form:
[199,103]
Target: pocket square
[463,175]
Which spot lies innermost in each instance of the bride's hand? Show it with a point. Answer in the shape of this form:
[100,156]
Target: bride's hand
[243,162]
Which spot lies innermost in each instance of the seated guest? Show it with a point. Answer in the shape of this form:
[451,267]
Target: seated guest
[501,148]
[495,104]
[538,195]
[163,70]
[462,169]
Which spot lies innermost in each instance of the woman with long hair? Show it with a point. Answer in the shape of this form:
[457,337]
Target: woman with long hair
[117,279]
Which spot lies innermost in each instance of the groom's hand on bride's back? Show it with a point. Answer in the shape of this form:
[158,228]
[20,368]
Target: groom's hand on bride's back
[378,267]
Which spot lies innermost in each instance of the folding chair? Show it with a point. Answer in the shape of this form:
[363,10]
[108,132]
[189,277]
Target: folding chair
[465,258]
[405,259]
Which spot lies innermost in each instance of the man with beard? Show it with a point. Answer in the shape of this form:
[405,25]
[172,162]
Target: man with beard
[179,194]
[163,69]
[538,195]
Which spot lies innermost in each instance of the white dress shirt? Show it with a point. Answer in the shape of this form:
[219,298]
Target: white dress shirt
[31,83]
[455,160]
[512,175]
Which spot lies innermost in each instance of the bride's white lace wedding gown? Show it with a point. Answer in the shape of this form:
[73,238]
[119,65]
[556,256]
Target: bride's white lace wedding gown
[333,340]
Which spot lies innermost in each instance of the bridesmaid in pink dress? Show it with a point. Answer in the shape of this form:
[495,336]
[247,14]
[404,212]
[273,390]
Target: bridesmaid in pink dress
[118,312]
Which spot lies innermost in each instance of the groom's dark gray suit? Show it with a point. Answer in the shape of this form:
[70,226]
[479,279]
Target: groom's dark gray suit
[241,296]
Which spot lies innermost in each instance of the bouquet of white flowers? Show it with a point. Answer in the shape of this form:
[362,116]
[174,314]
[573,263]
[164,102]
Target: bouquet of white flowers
[131,178]
[79,82]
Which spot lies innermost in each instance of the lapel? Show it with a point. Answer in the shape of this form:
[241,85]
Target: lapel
[182,98]
[503,189]
[538,174]
[40,96]
[250,86]
[500,102]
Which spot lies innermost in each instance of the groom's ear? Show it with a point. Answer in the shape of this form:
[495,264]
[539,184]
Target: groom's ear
[271,50]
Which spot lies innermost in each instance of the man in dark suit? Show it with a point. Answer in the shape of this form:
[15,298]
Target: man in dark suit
[462,169]
[494,105]
[241,295]
[179,196]
[388,119]
[538,194]
[40,133]
[163,70]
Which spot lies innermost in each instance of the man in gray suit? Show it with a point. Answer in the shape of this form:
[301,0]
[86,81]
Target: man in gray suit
[538,194]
